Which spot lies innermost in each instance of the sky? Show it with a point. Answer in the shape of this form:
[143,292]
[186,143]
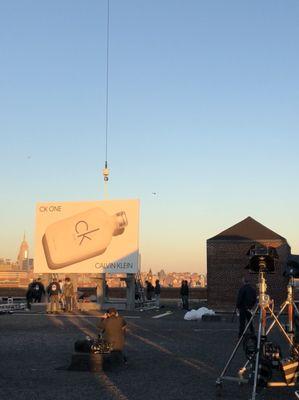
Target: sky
[203,111]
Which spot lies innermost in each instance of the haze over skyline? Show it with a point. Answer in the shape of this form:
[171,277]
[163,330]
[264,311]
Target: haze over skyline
[203,117]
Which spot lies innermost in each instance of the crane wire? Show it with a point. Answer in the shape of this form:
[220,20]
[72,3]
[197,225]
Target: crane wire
[107,81]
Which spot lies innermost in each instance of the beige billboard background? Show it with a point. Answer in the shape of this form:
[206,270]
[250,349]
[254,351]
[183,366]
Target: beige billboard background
[87,237]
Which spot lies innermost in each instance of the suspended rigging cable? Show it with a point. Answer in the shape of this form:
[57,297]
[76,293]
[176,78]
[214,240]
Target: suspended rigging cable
[106,170]
[107,81]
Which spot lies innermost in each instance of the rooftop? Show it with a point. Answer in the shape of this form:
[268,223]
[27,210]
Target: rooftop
[248,229]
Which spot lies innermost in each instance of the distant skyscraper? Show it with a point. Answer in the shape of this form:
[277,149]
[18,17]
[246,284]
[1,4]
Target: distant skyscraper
[23,255]
[149,276]
[162,277]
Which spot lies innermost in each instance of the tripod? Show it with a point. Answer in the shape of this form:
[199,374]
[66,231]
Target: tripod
[262,309]
[290,303]
[291,307]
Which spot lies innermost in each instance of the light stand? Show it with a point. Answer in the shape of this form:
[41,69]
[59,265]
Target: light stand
[262,309]
[291,307]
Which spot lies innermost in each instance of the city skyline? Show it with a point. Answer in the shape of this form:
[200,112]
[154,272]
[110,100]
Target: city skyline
[203,117]
[144,269]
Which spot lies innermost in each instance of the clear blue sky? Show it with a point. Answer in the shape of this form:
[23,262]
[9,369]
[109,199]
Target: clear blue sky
[204,100]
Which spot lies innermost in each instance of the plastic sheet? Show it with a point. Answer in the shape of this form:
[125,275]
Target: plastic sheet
[197,314]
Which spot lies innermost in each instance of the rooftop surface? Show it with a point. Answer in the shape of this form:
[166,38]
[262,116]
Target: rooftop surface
[169,359]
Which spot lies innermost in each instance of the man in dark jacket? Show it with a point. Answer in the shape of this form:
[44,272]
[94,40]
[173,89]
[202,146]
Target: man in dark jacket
[41,290]
[29,295]
[245,302]
[149,290]
[54,291]
[184,292]
[34,290]
[157,293]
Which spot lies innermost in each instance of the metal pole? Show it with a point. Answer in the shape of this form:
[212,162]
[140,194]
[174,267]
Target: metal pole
[237,345]
[263,301]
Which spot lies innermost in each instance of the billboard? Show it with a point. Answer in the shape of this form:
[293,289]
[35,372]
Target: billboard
[87,237]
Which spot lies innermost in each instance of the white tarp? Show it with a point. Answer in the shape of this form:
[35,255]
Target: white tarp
[197,314]
[87,237]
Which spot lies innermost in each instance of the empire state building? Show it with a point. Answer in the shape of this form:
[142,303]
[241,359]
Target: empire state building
[23,256]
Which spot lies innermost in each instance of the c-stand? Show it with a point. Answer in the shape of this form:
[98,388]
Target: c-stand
[262,309]
[292,310]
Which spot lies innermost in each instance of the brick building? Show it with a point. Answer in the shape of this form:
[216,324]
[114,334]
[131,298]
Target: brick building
[227,259]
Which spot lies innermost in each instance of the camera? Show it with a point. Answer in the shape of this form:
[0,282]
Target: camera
[262,258]
[292,269]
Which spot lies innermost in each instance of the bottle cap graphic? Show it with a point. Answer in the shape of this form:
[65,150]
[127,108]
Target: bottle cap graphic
[121,222]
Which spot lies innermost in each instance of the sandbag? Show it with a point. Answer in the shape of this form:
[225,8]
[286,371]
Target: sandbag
[87,362]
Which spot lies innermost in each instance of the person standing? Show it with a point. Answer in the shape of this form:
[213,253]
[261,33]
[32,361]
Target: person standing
[35,290]
[68,294]
[53,291]
[157,293]
[184,292]
[106,291]
[29,295]
[138,292]
[246,300]
[41,290]
[149,290]
[61,298]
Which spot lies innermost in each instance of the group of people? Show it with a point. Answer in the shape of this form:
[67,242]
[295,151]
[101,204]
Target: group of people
[113,326]
[61,297]
[153,292]
[61,294]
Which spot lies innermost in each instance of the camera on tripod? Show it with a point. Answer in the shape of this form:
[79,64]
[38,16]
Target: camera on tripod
[265,365]
[262,258]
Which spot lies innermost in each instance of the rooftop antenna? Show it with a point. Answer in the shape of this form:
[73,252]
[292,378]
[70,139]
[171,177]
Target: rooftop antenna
[106,169]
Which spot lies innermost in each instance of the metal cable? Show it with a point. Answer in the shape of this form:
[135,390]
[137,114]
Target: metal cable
[107,81]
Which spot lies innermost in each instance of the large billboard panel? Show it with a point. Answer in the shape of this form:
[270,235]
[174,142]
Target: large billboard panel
[87,237]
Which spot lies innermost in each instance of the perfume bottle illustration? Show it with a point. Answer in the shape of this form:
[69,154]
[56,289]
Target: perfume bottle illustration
[82,236]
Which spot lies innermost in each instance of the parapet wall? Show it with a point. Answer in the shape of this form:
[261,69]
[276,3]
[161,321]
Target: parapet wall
[166,293]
